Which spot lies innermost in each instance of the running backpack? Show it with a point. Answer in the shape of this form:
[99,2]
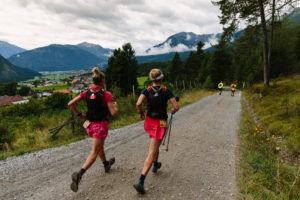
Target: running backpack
[157,102]
[97,108]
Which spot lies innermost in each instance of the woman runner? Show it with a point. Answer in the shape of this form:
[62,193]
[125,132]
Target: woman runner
[99,104]
[155,122]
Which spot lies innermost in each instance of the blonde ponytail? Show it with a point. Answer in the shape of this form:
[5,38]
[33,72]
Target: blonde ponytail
[98,76]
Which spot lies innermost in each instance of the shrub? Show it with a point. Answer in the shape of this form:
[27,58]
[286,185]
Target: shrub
[57,100]
[5,137]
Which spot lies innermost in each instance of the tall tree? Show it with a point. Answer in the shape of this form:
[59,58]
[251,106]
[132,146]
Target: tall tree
[220,64]
[175,71]
[122,69]
[252,11]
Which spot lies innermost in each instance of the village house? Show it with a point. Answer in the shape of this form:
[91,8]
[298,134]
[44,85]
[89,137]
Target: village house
[8,100]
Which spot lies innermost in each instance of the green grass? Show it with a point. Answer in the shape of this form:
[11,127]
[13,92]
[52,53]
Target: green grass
[141,80]
[55,87]
[279,109]
[31,133]
[267,173]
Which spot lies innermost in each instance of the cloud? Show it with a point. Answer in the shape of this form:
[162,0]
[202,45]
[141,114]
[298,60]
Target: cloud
[110,23]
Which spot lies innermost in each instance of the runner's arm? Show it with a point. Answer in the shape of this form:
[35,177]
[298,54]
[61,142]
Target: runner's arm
[175,105]
[113,108]
[72,106]
[139,106]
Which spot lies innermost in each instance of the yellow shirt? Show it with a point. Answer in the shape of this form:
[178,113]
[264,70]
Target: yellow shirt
[233,86]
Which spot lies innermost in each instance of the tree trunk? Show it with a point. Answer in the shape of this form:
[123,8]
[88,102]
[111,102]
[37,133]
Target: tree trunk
[271,32]
[265,43]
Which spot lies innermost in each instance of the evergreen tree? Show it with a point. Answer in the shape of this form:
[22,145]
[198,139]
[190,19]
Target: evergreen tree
[247,56]
[191,67]
[122,69]
[205,67]
[220,64]
[193,63]
[175,71]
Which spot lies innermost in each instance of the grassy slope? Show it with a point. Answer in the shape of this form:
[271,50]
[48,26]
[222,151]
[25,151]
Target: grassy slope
[55,87]
[31,133]
[267,173]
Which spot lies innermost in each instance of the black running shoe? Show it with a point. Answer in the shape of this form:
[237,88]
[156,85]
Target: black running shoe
[110,163]
[76,177]
[139,188]
[155,168]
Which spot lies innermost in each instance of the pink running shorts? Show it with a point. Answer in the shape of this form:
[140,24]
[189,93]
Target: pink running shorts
[98,129]
[152,127]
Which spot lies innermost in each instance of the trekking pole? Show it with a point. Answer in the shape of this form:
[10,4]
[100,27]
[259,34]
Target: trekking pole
[169,135]
[168,132]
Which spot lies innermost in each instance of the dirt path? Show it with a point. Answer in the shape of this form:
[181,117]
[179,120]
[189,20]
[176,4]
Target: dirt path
[200,163]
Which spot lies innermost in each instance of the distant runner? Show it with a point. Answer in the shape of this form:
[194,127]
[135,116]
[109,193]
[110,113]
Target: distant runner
[99,103]
[233,88]
[156,121]
[220,86]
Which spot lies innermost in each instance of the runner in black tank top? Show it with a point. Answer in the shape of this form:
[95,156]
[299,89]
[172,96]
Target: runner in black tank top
[155,122]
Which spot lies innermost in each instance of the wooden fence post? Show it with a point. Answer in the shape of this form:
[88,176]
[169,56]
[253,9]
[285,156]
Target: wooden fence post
[133,90]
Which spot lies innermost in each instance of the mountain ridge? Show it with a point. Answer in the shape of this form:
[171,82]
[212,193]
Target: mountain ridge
[7,49]
[56,57]
[10,72]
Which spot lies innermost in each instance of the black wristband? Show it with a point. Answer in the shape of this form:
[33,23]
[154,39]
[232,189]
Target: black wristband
[79,114]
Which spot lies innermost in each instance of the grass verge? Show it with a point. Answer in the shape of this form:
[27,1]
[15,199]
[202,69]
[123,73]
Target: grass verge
[266,172]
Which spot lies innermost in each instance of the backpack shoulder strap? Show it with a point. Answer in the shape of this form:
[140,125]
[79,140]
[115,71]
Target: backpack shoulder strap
[164,89]
[149,88]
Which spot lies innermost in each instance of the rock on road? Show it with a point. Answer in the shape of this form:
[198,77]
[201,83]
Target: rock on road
[200,163]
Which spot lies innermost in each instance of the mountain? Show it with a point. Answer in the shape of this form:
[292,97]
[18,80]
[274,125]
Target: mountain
[56,57]
[295,16]
[175,42]
[10,72]
[186,41]
[161,57]
[7,49]
[183,41]
[97,50]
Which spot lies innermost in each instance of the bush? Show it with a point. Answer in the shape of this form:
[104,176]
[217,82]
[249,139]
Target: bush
[57,100]
[5,137]
[24,91]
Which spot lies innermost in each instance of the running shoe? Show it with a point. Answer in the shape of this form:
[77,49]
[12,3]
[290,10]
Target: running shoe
[156,167]
[110,163]
[139,187]
[76,177]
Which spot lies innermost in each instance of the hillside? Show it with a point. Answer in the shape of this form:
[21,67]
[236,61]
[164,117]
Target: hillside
[7,49]
[97,50]
[9,72]
[56,58]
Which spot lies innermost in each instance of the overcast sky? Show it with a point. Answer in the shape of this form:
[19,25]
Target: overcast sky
[110,23]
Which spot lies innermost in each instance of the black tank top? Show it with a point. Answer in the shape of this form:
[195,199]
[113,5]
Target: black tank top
[157,103]
[95,104]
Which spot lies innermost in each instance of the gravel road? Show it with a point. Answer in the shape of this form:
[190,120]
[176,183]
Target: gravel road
[200,163]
